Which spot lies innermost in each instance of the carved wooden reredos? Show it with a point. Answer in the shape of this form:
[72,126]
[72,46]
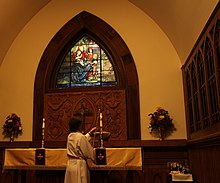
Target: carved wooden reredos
[59,108]
[119,104]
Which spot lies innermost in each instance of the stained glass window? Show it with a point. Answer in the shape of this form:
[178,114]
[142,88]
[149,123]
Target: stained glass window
[86,64]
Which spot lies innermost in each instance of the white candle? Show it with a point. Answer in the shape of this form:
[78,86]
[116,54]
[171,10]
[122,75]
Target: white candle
[43,124]
[100,119]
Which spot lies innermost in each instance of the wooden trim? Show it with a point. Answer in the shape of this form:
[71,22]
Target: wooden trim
[211,140]
[17,144]
[120,143]
[205,141]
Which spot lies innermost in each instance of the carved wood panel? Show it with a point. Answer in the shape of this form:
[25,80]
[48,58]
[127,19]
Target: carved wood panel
[60,107]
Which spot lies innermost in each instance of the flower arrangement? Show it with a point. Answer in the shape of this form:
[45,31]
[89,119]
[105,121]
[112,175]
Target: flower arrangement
[12,127]
[161,124]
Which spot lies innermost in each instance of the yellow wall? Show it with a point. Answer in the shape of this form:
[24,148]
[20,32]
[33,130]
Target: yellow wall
[158,65]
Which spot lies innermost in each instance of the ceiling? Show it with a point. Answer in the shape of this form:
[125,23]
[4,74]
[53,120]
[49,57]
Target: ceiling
[181,20]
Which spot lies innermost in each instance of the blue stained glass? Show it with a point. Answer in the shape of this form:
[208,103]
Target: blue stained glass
[86,64]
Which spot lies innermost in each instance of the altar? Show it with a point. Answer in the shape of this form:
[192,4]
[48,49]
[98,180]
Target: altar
[117,159]
[55,159]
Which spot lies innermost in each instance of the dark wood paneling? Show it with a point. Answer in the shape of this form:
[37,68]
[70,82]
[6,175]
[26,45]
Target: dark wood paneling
[201,81]
[204,156]
[155,159]
[60,107]
[205,164]
[202,99]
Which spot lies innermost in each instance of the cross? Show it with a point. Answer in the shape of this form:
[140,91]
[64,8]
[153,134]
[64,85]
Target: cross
[39,156]
[100,156]
[83,111]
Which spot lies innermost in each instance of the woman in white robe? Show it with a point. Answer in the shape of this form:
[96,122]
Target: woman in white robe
[78,150]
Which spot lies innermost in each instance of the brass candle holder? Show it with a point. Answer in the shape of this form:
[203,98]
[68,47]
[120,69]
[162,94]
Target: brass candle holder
[100,136]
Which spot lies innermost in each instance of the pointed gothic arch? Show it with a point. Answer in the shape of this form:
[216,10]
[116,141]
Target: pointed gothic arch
[87,24]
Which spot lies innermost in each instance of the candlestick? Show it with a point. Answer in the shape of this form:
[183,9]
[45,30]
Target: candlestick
[100,119]
[101,137]
[101,130]
[43,124]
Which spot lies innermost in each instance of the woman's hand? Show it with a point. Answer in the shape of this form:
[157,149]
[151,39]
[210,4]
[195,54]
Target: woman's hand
[92,130]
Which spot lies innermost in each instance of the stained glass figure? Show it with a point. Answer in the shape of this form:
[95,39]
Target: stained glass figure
[86,64]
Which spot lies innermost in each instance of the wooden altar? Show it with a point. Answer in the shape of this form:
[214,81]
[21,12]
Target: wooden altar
[124,161]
